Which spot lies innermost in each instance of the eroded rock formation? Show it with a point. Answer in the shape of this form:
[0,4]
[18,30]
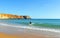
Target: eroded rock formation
[10,16]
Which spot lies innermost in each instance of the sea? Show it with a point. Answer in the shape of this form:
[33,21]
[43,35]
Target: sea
[45,24]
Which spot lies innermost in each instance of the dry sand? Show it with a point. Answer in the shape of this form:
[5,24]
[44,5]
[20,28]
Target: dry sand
[4,35]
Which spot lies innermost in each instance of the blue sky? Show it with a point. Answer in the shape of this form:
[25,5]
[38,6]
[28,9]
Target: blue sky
[44,9]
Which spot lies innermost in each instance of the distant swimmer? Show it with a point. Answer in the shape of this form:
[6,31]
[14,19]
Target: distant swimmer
[30,22]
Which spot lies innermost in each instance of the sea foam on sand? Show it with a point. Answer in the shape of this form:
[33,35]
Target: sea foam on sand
[29,31]
[31,28]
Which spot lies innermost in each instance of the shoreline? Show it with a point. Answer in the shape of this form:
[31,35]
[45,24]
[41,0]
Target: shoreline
[11,29]
[31,28]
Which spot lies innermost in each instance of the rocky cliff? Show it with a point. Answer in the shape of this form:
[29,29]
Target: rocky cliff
[10,16]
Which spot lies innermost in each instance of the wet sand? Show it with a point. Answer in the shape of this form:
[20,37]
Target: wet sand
[14,32]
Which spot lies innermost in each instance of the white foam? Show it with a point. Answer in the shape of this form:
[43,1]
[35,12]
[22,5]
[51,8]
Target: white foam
[32,28]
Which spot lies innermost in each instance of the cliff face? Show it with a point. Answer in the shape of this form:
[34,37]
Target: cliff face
[10,16]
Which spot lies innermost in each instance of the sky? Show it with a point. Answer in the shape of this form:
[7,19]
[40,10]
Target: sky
[42,9]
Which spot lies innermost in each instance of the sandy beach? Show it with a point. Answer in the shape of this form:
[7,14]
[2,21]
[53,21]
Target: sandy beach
[14,32]
[4,35]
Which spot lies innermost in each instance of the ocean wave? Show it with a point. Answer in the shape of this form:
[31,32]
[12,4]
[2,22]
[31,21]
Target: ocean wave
[46,25]
[31,28]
